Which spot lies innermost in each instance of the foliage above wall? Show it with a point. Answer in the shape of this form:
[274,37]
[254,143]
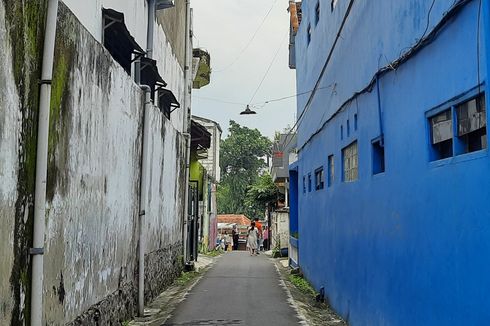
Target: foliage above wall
[242,160]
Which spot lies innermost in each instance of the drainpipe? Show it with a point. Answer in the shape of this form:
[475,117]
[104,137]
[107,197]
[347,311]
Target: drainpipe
[143,201]
[37,249]
[186,124]
[486,31]
[381,138]
[150,30]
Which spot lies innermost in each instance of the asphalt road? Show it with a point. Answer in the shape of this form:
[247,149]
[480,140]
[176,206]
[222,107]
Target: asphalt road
[237,290]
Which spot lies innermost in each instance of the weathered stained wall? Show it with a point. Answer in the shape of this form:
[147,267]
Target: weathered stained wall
[21,28]
[168,40]
[93,175]
[9,146]
[93,187]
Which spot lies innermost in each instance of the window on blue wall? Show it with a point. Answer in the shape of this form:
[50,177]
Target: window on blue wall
[330,171]
[355,122]
[319,179]
[441,128]
[308,34]
[304,185]
[350,163]
[309,182]
[472,125]
[341,132]
[317,13]
[348,128]
[378,149]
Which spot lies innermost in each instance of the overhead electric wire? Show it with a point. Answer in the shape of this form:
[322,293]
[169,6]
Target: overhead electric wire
[327,61]
[257,104]
[249,42]
[268,69]
[392,66]
[219,100]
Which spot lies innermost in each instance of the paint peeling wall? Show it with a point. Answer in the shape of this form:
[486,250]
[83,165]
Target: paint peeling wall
[10,125]
[165,187]
[168,37]
[93,175]
[21,28]
[94,166]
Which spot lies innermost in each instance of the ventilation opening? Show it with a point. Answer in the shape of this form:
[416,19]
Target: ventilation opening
[441,135]
[472,122]
[378,157]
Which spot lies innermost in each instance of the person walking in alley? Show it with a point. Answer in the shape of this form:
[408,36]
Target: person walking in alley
[258,225]
[265,236]
[252,239]
[227,239]
[235,237]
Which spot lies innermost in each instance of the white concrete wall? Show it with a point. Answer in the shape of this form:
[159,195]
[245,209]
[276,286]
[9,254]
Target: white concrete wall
[92,218]
[89,12]
[164,189]
[92,214]
[280,229]
[10,128]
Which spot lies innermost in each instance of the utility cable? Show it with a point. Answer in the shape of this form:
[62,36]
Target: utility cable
[218,100]
[268,68]
[452,12]
[249,42]
[327,61]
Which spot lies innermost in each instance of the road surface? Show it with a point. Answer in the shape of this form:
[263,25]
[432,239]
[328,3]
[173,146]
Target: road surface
[237,290]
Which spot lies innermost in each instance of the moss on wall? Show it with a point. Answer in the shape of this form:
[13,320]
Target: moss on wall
[25,24]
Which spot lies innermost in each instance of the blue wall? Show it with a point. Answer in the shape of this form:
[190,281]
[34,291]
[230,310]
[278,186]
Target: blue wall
[410,246]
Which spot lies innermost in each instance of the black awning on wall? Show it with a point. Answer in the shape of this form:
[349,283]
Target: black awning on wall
[149,75]
[167,102]
[200,137]
[117,39]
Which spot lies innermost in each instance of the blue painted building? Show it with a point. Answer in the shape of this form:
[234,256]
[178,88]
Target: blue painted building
[393,199]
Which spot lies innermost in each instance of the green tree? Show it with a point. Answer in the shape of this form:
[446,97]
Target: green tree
[242,159]
[263,192]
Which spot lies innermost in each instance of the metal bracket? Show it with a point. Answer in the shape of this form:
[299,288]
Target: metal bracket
[45,82]
[36,251]
[142,213]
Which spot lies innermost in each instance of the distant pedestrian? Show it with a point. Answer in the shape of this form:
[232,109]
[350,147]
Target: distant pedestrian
[252,238]
[227,240]
[235,237]
[258,225]
[265,236]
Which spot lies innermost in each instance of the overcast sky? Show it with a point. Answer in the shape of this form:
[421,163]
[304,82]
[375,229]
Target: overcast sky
[224,28]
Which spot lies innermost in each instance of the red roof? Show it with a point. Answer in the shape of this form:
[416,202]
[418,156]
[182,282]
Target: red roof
[236,219]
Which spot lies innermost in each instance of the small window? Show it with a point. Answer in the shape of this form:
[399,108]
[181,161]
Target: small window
[378,156]
[441,135]
[309,182]
[319,179]
[308,35]
[350,162]
[355,122]
[333,4]
[348,128]
[472,122]
[331,171]
[304,185]
[341,132]
[317,13]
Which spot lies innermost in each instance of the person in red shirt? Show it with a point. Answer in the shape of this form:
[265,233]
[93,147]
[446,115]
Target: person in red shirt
[258,225]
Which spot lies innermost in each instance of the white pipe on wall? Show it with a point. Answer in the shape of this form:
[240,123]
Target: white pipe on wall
[150,29]
[186,124]
[143,201]
[41,166]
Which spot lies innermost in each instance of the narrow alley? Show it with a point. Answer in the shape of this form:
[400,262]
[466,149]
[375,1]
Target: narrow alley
[238,290]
